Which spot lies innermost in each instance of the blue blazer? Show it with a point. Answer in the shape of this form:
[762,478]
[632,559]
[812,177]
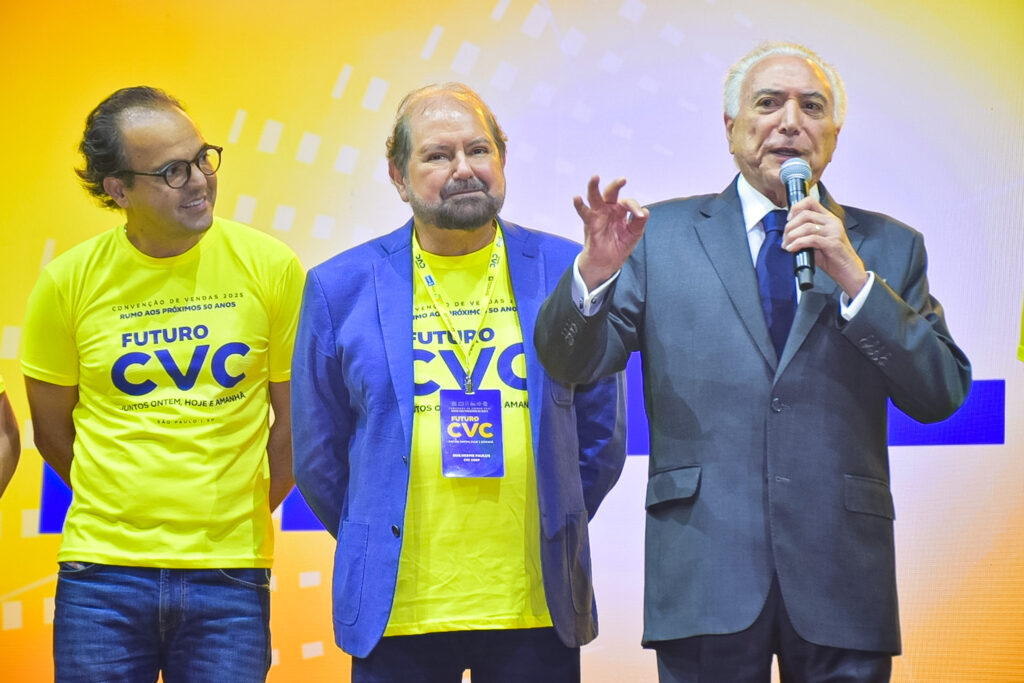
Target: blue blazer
[352,415]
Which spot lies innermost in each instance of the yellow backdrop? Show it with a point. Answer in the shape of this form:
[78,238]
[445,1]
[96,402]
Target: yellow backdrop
[302,94]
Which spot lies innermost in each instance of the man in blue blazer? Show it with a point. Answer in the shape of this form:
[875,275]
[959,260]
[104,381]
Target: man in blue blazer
[769,512]
[457,476]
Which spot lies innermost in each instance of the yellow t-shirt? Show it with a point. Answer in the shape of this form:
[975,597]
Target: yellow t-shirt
[3,387]
[471,550]
[172,359]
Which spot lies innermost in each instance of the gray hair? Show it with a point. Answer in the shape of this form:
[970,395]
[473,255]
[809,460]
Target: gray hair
[738,73]
[399,145]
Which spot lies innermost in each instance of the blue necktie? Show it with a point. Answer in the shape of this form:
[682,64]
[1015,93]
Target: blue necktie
[775,280]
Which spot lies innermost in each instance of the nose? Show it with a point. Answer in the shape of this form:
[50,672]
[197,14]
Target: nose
[197,178]
[461,170]
[790,117]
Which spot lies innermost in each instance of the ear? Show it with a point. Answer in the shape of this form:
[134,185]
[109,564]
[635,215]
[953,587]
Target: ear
[729,123]
[115,187]
[398,180]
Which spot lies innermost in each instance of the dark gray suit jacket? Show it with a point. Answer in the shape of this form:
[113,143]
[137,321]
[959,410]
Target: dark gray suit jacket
[757,463]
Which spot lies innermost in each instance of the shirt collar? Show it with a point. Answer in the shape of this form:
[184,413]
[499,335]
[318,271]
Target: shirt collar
[756,206]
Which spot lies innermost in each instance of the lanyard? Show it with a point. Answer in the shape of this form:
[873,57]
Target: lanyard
[437,297]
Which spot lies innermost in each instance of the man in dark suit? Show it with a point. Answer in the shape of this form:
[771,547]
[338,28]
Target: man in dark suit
[769,512]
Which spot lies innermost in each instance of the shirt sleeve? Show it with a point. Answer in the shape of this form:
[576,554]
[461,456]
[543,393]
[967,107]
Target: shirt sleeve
[587,302]
[285,318]
[48,349]
[850,307]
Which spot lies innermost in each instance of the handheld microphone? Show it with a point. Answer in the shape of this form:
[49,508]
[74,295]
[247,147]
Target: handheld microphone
[794,174]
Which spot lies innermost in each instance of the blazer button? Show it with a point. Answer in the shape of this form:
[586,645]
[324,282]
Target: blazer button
[777,405]
[395,530]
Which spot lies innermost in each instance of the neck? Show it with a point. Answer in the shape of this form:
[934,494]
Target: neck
[161,248]
[776,195]
[445,242]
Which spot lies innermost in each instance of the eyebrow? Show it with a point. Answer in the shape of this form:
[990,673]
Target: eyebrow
[428,150]
[446,147]
[163,167]
[806,94]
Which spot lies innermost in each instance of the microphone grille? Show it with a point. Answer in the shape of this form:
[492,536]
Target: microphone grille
[794,168]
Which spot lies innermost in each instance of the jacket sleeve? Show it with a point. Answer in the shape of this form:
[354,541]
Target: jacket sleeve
[321,418]
[601,427]
[902,330]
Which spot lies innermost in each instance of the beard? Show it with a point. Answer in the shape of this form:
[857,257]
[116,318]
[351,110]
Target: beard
[457,210]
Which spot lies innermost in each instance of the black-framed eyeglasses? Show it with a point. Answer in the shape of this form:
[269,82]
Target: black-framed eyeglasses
[177,173]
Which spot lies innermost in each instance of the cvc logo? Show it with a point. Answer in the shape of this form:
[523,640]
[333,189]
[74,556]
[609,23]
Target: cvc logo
[183,379]
[485,430]
[504,366]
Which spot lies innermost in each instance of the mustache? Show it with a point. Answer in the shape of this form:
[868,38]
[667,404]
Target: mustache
[459,186]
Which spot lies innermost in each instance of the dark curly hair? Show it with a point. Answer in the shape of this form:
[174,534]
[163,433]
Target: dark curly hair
[102,146]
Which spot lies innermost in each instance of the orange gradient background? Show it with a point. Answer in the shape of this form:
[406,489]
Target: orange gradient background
[302,97]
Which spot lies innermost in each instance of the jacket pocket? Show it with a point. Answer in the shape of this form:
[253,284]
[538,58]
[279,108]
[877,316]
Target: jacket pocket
[681,483]
[256,578]
[69,569]
[561,394]
[350,564]
[870,496]
[577,548]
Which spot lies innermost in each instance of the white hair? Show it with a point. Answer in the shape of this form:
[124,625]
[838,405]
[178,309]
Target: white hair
[738,73]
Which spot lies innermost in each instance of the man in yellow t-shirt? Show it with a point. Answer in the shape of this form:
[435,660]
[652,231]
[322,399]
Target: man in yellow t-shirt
[457,476]
[10,439]
[153,355]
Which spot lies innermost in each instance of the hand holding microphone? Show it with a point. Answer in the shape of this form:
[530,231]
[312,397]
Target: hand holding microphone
[794,174]
[836,255]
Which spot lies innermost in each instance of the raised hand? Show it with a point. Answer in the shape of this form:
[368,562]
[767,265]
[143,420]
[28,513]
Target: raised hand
[611,229]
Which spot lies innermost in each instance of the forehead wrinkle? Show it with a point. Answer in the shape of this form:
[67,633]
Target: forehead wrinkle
[451,124]
[159,166]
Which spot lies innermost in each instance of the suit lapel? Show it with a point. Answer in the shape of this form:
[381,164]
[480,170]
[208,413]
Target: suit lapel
[721,232]
[526,274]
[393,284]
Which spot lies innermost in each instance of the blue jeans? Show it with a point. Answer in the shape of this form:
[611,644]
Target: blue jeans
[127,624]
[533,655]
